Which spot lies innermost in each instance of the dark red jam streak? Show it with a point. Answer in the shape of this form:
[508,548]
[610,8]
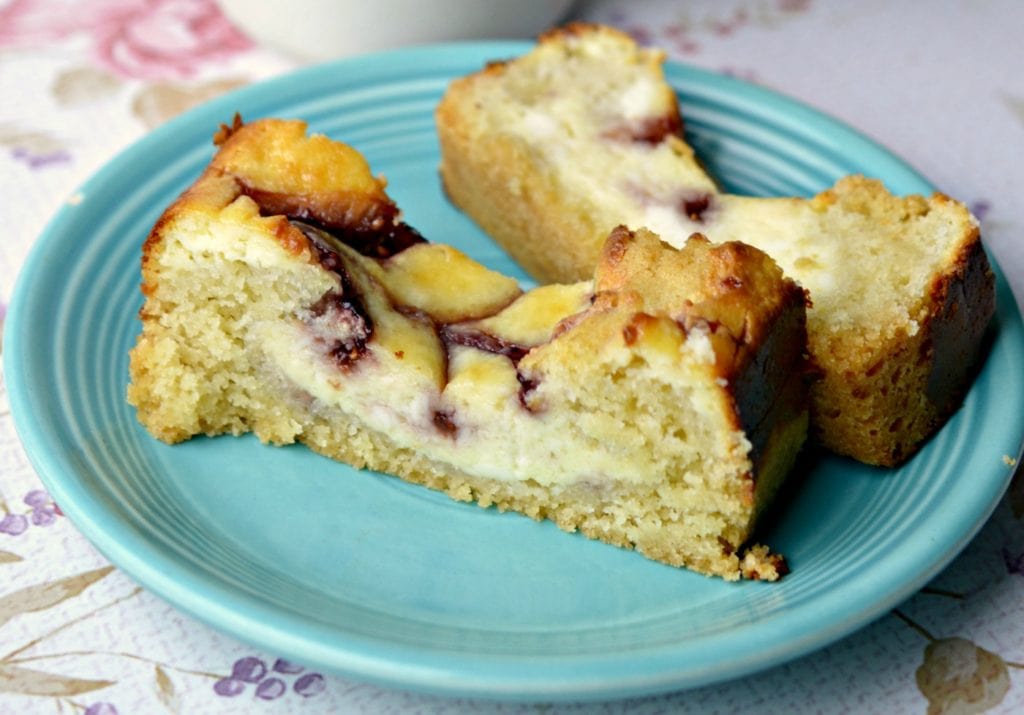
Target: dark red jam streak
[694,206]
[526,386]
[652,130]
[444,420]
[379,235]
[344,309]
[655,130]
[451,335]
[482,341]
[380,243]
[347,304]
[350,308]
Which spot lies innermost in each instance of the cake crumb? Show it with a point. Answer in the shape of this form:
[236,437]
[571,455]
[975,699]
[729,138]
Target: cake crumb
[759,563]
[1009,461]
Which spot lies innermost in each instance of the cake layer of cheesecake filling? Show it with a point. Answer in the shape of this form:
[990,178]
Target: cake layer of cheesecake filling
[657,406]
[473,392]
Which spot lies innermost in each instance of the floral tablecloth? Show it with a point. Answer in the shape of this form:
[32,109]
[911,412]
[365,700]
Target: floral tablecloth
[941,83]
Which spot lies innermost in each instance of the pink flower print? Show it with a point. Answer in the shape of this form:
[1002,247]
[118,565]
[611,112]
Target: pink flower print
[24,23]
[169,38]
[139,39]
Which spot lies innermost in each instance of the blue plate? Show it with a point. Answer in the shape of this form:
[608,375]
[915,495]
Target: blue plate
[370,577]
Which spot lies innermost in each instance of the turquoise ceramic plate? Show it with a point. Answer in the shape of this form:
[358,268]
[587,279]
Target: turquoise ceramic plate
[366,576]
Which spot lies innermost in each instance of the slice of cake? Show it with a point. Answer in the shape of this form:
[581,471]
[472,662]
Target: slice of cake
[549,151]
[656,406]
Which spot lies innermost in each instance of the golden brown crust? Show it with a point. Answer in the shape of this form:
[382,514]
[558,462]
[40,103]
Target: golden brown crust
[886,404]
[317,179]
[731,288]
[582,30]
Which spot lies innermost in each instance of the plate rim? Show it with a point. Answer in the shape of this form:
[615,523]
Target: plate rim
[376,662]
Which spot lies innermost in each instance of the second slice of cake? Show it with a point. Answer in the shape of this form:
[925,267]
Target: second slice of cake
[548,151]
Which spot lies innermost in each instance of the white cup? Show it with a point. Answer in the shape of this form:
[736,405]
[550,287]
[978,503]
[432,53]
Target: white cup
[314,30]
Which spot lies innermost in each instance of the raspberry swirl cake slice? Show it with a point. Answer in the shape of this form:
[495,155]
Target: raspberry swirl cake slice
[549,151]
[656,406]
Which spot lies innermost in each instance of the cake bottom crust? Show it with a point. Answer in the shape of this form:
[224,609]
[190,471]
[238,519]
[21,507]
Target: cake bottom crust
[653,520]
